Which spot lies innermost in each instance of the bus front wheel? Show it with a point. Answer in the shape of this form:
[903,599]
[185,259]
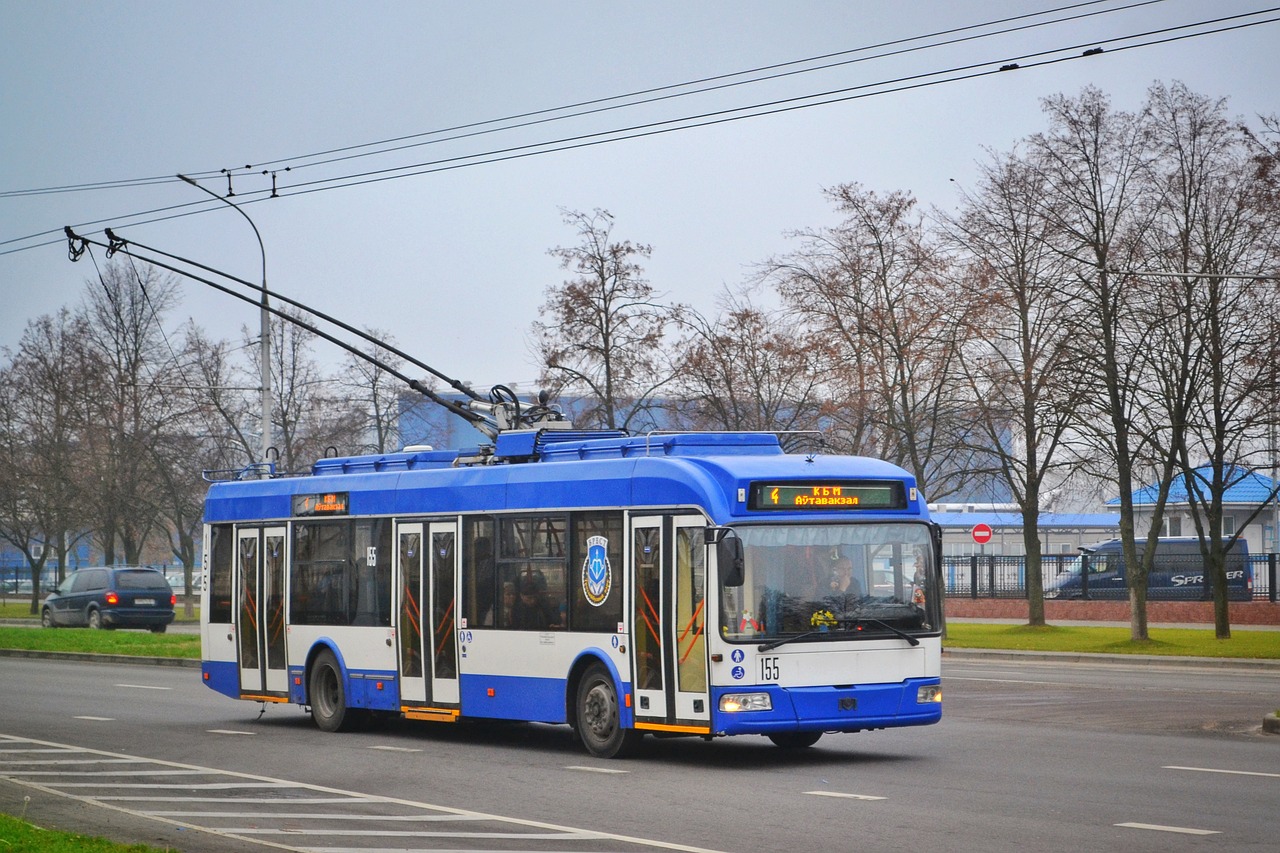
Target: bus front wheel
[598,721]
[328,697]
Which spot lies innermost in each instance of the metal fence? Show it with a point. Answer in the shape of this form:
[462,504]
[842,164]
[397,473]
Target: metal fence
[1180,579]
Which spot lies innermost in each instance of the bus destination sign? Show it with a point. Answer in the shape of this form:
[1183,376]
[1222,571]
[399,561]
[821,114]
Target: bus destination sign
[827,496]
[329,503]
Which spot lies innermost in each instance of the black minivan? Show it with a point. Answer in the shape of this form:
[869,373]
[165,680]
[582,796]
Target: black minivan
[1177,573]
[111,597]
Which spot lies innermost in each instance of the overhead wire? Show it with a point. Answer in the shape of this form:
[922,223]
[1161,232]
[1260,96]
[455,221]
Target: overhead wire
[634,94]
[687,122]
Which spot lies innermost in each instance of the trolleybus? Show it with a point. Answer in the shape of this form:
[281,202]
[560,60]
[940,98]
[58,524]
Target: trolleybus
[698,584]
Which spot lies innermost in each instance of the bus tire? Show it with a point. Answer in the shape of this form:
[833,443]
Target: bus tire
[795,740]
[598,720]
[328,696]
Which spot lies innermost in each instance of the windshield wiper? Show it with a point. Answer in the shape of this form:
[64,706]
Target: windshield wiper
[892,630]
[770,646]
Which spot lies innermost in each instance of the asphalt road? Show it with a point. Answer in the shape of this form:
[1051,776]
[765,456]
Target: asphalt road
[1030,755]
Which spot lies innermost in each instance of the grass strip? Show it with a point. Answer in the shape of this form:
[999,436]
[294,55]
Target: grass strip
[120,642]
[1174,642]
[18,836]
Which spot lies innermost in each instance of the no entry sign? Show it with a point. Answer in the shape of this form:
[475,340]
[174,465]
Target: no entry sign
[982,533]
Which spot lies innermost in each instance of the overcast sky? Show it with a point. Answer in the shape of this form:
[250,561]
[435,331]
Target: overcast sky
[453,262]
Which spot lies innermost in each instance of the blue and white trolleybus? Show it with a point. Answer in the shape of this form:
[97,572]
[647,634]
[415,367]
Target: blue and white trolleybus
[699,584]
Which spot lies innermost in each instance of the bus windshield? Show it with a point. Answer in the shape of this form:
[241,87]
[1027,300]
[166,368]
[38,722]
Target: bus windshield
[833,582]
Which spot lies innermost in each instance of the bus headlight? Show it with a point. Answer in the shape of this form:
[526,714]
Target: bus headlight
[734,702]
[928,695]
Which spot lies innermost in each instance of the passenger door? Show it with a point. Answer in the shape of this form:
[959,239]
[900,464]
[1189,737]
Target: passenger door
[427,612]
[444,597]
[413,684]
[669,615]
[259,620]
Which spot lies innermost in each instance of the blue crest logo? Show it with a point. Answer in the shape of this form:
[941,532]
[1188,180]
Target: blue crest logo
[597,580]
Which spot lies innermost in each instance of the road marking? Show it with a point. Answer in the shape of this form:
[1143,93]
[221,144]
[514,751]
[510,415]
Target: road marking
[1214,770]
[844,796]
[506,829]
[586,769]
[228,732]
[413,818]
[1181,830]
[96,719]
[395,748]
[26,762]
[143,687]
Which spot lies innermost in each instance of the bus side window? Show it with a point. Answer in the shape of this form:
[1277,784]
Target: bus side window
[220,553]
[479,579]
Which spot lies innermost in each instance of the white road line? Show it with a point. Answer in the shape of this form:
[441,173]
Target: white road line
[403,818]
[329,832]
[110,773]
[53,751]
[586,769]
[96,719]
[844,796]
[142,687]
[293,801]
[1181,830]
[1214,770]
[228,732]
[395,748]
[49,762]
[189,786]
[312,849]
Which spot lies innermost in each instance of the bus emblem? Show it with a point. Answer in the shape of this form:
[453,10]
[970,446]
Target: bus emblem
[596,577]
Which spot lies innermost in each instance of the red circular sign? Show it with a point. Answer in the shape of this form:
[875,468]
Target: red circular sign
[982,533]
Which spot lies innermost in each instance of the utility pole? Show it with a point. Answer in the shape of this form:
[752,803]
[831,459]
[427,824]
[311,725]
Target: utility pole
[265,323]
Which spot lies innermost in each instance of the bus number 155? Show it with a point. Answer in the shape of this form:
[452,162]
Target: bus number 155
[769,669]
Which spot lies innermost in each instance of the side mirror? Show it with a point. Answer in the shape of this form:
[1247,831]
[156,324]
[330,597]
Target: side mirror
[732,562]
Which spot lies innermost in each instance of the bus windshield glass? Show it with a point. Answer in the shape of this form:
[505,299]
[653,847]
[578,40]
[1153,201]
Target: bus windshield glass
[833,582]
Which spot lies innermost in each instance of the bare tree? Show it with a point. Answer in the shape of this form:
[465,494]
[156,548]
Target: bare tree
[132,368]
[41,479]
[1018,361]
[1210,230]
[308,414]
[1093,159]
[375,394]
[602,329]
[747,369]
[878,290]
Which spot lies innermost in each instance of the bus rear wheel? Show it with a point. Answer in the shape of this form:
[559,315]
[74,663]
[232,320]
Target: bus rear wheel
[328,697]
[599,723]
[795,740]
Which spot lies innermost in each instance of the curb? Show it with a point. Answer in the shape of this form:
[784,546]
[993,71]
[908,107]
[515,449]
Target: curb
[99,658]
[1271,724]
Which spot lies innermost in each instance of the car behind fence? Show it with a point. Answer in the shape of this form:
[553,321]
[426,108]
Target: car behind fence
[1250,578]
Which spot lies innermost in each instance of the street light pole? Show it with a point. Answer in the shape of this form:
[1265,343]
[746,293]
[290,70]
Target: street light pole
[265,323]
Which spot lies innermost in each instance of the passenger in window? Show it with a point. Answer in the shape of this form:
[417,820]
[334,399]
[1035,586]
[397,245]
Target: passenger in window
[845,588]
[532,611]
[506,607]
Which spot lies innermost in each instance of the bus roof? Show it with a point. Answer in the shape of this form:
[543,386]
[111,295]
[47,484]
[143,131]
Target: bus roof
[564,470]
